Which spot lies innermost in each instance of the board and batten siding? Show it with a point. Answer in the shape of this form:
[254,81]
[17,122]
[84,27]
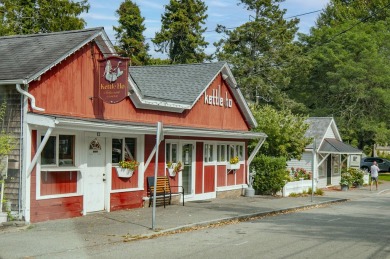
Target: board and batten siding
[71,89]
[329,133]
[305,162]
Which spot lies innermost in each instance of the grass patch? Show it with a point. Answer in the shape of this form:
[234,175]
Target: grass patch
[384,177]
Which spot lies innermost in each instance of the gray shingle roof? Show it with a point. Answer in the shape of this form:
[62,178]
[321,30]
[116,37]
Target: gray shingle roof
[23,56]
[334,146]
[176,83]
[317,128]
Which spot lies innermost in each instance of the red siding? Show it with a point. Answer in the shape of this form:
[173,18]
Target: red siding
[59,208]
[72,84]
[221,175]
[199,168]
[58,182]
[209,176]
[126,200]
[118,183]
[231,178]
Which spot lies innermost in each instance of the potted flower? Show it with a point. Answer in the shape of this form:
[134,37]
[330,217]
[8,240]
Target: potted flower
[233,163]
[357,177]
[126,168]
[174,168]
[345,181]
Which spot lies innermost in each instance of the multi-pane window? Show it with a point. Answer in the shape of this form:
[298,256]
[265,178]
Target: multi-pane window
[123,149]
[221,153]
[208,153]
[59,151]
[227,151]
[171,152]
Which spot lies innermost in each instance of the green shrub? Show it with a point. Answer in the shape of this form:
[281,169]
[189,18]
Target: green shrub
[352,176]
[357,176]
[271,174]
[319,192]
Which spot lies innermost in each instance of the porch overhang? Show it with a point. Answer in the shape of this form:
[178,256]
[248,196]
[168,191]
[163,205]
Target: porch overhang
[334,146]
[96,125]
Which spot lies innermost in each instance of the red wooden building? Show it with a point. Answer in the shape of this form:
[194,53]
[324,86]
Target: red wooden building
[72,139]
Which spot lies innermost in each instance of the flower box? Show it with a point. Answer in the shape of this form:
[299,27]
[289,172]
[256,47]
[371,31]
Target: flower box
[174,168]
[171,172]
[124,172]
[232,166]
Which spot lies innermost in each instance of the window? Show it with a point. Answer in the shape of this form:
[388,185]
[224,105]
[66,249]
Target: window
[59,151]
[123,149]
[171,152]
[208,153]
[236,150]
[221,153]
[336,159]
[321,168]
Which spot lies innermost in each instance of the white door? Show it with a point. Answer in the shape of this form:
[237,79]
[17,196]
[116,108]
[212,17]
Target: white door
[187,174]
[94,175]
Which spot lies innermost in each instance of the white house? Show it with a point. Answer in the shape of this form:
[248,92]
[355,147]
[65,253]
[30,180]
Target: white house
[327,154]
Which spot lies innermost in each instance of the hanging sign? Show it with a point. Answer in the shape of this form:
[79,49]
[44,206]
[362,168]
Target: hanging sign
[113,79]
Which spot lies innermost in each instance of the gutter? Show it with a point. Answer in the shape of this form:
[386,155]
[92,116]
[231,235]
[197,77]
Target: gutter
[30,96]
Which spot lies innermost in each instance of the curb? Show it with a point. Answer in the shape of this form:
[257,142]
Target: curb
[240,218]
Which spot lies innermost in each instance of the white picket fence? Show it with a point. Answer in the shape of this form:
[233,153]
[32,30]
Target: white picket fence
[297,187]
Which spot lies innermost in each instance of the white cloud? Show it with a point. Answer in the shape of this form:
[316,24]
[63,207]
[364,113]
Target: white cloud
[96,16]
[150,4]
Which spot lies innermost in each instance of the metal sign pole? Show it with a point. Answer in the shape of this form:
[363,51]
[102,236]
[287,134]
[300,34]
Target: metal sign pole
[313,168]
[159,138]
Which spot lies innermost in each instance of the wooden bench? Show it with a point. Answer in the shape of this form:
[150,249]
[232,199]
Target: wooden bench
[163,190]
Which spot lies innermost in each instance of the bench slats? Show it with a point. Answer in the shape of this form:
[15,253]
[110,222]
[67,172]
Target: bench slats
[163,189]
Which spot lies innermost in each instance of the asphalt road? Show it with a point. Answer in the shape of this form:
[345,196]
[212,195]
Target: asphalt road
[355,229]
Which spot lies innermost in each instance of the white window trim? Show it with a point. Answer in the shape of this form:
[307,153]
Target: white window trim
[210,143]
[140,144]
[55,168]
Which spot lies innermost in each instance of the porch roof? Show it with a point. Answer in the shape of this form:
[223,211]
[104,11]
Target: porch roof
[334,146]
[136,128]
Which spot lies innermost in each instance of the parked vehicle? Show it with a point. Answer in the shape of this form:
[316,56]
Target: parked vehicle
[383,164]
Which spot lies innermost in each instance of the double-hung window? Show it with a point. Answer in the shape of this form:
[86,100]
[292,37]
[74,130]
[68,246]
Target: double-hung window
[221,153]
[171,153]
[123,149]
[59,151]
[208,153]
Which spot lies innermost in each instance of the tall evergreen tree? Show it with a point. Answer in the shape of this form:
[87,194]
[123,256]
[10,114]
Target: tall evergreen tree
[262,53]
[349,74]
[41,16]
[181,32]
[129,33]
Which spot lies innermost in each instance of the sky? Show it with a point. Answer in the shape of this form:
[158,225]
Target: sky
[225,12]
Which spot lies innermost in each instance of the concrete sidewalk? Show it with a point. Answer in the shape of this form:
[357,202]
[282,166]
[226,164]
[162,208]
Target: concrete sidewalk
[103,228]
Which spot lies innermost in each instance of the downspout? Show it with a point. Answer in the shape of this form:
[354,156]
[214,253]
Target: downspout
[30,96]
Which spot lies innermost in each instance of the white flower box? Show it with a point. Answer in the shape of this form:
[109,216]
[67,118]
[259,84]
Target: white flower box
[124,172]
[232,166]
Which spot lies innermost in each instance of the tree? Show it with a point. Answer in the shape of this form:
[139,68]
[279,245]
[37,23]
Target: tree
[339,11]
[262,53]
[129,33]
[40,16]
[285,132]
[349,74]
[7,141]
[181,32]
